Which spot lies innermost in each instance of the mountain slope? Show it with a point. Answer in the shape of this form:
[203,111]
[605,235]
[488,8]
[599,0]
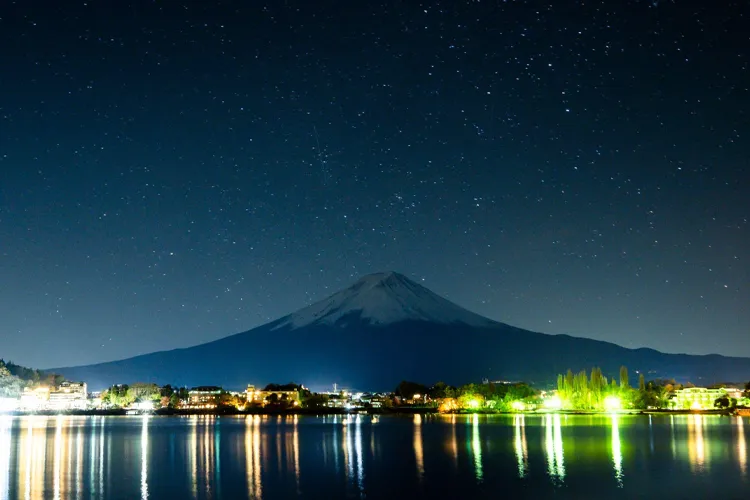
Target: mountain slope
[385,328]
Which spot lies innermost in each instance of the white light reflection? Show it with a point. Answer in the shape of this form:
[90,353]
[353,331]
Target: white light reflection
[295,445]
[348,449]
[144,458]
[6,424]
[101,456]
[476,448]
[335,444]
[617,451]
[359,457]
[554,448]
[741,445]
[418,450]
[522,453]
[57,462]
[192,455]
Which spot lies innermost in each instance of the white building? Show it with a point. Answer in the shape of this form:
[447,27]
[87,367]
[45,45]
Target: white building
[68,396]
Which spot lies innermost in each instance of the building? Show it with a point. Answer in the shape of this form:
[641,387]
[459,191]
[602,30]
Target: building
[68,396]
[204,397]
[262,397]
[696,398]
[34,399]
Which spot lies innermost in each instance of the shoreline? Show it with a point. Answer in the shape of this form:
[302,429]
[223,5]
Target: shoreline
[167,412]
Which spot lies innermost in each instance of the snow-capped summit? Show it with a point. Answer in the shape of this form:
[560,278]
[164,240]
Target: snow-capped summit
[381,299]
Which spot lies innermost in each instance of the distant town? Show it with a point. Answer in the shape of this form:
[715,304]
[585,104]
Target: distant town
[24,390]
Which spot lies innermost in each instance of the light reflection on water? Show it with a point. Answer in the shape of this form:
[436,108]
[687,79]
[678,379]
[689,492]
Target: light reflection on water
[522,452]
[617,448]
[741,446]
[418,451]
[271,457]
[144,458]
[5,447]
[553,445]
[476,448]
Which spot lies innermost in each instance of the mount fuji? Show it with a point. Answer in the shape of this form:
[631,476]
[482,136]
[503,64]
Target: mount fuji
[385,328]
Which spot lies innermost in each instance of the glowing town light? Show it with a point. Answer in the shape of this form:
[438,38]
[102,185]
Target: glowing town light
[612,403]
[143,406]
[553,403]
[8,405]
[518,406]
[474,403]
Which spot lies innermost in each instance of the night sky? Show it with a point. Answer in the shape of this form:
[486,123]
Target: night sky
[175,172]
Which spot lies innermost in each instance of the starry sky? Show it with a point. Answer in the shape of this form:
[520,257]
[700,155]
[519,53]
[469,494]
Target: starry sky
[172,172]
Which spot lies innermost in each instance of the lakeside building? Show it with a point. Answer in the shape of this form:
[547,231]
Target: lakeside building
[68,396]
[34,399]
[262,397]
[696,398]
[204,397]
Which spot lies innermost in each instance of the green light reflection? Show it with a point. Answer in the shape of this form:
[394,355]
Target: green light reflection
[476,449]
[617,451]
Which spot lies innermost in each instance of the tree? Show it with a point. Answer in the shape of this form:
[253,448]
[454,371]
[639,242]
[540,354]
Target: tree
[10,385]
[438,390]
[624,383]
[407,390]
[316,401]
[118,396]
[143,392]
[641,383]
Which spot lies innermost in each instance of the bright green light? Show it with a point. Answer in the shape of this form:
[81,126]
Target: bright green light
[612,403]
[473,403]
[518,406]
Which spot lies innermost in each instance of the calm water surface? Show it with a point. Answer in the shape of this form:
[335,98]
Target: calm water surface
[532,456]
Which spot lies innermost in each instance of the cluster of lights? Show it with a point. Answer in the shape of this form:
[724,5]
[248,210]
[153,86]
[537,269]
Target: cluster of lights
[553,403]
[518,406]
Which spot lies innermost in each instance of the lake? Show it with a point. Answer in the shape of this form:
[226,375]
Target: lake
[358,456]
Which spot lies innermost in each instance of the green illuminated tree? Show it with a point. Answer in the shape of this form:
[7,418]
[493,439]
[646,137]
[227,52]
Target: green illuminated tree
[624,383]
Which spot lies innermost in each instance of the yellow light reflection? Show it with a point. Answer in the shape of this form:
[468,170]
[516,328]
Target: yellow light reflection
[144,458]
[79,462]
[33,454]
[454,441]
[741,446]
[6,424]
[696,443]
[252,456]
[476,448]
[617,451]
[522,453]
[554,448]
[418,450]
